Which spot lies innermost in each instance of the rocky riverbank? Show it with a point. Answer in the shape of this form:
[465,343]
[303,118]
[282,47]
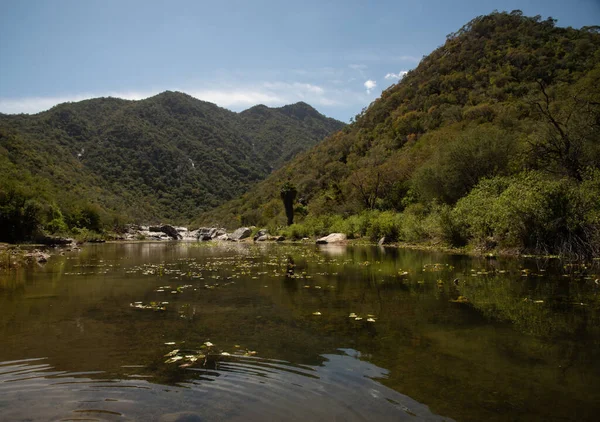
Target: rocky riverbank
[202,234]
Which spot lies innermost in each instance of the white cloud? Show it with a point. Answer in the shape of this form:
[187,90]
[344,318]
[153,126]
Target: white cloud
[370,84]
[31,105]
[398,75]
[233,97]
[237,97]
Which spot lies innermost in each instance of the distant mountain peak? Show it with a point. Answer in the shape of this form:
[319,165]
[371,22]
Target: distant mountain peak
[300,110]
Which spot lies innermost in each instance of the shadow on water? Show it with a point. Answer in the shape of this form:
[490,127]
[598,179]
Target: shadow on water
[180,331]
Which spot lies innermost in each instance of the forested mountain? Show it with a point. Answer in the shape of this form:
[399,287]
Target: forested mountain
[163,158]
[493,140]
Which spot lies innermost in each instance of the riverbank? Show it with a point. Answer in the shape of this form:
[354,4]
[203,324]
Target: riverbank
[14,256]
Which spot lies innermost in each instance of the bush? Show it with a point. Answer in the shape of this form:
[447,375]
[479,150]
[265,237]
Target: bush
[531,212]
[84,216]
[384,224]
[461,163]
[55,220]
[20,215]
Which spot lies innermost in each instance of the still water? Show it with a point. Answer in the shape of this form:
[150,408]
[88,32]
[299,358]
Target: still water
[191,332]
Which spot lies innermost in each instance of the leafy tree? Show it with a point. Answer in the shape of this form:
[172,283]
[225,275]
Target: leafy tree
[288,195]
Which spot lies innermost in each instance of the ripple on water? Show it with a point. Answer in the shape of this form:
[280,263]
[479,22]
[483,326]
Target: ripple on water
[240,388]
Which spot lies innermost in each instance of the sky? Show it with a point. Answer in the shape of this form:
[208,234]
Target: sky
[337,56]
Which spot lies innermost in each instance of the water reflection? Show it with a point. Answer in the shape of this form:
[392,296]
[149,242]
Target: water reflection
[236,389]
[473,339]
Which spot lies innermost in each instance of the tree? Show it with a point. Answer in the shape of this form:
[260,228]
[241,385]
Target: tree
[571,125]
[288,195]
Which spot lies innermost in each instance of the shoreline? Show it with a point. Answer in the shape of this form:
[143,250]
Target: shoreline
[22,254]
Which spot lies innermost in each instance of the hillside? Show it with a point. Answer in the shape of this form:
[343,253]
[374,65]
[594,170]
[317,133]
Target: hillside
[163,158]
[493,140]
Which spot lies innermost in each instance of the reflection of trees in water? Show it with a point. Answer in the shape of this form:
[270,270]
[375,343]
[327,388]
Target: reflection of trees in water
[542,308]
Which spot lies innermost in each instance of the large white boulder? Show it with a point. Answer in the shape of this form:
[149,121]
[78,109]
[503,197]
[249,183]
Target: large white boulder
[332,238]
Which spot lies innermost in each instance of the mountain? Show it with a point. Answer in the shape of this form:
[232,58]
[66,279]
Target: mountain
[493,140]
[165,158]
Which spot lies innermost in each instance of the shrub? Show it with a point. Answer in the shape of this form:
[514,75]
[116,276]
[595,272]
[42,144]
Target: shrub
[531,212]
[20,215]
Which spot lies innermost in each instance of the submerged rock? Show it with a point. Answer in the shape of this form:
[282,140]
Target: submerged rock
[38,256]
[332,238]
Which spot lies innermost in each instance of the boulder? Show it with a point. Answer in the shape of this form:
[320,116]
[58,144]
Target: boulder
[54,240]
[166,229]
[261,233]
[241,233]
[224,236]
[219,232]
[332,238]
[279,238]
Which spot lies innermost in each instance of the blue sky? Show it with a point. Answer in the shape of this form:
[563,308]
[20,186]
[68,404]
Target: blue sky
[335,55]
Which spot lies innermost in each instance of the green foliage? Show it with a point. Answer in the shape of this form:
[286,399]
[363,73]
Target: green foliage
[84,216]
[20,215]
[531,212]
[164,158]
[456,166]
[55,221]
[506,112]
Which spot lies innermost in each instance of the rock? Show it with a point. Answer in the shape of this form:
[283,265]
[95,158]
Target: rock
[42,257]
[38,256]
[241,233]
[166,229]
[261,233]
[54,240]
[332,238]
[224,236]
[209,233]
[280,238]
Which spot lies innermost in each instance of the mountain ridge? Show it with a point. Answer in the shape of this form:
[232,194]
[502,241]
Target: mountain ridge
[507,98]
[161,158]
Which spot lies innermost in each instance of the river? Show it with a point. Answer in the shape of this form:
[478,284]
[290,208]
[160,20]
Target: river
[182,331]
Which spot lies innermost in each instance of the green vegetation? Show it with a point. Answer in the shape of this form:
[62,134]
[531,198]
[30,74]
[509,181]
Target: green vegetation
[95,165]
[492,141]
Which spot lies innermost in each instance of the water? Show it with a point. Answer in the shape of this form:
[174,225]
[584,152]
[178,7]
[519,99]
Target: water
[189,332]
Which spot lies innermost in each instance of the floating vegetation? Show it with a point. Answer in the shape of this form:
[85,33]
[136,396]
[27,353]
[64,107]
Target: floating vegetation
[460,299]
[434,268]
[186,357]
[153,306]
